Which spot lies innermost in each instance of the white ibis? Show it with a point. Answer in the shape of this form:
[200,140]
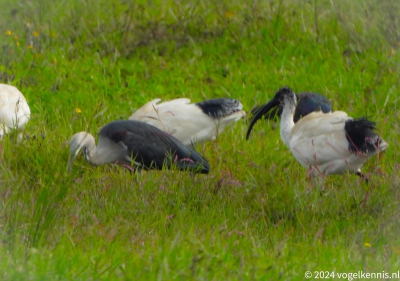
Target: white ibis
[331,143]
[189,122]
[307,102]
[14,110]
[129,142]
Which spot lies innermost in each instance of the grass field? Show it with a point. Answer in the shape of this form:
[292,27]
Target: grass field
[84,63]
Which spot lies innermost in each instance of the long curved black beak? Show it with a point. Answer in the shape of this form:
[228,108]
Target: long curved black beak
[260,112]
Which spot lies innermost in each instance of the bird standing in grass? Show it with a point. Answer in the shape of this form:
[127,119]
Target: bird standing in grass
[14,110]
[188,122]
[325,144]
[129,141]
[307,102]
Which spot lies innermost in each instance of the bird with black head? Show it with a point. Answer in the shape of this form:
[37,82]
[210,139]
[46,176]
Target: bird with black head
[325,144]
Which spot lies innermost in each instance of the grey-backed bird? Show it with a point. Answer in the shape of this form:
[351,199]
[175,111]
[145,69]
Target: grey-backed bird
[191,122]
[130,142]
[331,143]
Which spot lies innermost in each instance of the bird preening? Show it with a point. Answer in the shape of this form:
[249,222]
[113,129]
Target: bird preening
[324,143]
[128,142]
[191,122]
[14,110]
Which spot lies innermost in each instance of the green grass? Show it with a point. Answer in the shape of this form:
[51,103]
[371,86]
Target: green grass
[256,215]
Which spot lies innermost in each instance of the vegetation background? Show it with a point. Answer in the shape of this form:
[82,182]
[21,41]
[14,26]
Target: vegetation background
[84,63]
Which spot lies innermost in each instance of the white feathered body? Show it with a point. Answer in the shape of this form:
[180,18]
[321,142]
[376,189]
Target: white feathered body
[319,140]
[14,110]
[185,121]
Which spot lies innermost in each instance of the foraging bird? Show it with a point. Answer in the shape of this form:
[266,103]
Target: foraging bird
[130,141]
[331,143]
[307,102]
[190,122]
[14,110]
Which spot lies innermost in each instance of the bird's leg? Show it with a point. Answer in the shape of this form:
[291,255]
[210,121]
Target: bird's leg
[132,170]
[310,172]
[128,167]
[139,173]
[365,200]
[358,173]
[315,177]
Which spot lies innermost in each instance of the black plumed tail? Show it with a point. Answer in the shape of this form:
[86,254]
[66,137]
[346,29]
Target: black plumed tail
[361,136]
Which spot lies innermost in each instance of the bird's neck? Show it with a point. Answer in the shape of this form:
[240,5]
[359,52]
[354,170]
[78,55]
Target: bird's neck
[107,151]
[89,155]
[287,123]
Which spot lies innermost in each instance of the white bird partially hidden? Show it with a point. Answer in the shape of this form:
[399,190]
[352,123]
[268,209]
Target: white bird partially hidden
[191,122]
[325,143]
[14,110]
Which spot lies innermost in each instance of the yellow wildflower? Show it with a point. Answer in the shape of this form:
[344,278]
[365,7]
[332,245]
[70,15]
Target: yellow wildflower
[228,14]
[15,37]
[8,32]
[366,244]
[17,43]
[55,60]
[30,47]
[397,250]
[36,34]
[78,110]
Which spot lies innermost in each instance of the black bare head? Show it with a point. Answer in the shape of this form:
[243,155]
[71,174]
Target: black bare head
[307,102]
[284,96]
[220,108]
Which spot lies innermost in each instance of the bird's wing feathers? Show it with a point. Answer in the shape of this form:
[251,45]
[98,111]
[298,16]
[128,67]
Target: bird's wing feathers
[155,148]
[322,138]
[317,123]
[167,116]
[185,121]
[154,110]
[177,117]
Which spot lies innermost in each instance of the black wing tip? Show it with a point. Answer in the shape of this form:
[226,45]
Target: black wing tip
[219,107]
[205,170]
[203,165]
[217,101]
